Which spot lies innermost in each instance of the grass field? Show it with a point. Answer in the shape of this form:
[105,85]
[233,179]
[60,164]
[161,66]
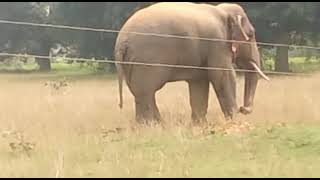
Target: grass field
[79,131]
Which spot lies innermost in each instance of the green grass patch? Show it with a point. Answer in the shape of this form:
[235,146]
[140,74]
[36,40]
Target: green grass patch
[297,64]
[61,69]
[58,70]
[292,151]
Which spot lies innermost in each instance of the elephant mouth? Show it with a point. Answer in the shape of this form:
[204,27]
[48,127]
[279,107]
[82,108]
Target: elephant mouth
[251,65]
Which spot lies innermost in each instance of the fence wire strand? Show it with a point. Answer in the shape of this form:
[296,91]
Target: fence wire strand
[151,34]
[150,64]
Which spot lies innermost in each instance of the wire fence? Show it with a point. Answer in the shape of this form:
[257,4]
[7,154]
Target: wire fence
[151,34]
[155,35]
[151,64]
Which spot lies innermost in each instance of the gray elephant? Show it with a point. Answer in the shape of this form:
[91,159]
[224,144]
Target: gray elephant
[225,21]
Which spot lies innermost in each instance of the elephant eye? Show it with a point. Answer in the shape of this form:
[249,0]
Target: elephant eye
[251,33]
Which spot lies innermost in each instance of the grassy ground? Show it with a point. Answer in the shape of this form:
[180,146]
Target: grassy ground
[79,131]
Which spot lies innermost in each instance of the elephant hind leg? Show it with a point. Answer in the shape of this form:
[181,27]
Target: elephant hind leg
[146,108]
[156,112]
[199,94]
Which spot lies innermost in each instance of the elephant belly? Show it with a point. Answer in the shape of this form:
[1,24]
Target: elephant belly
[187,75]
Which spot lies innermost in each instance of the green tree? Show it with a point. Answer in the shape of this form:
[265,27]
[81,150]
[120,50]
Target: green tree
[17,38]
[104,15]
[284,23]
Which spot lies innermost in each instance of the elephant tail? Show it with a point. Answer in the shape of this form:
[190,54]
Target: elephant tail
[119,55]
[120,81]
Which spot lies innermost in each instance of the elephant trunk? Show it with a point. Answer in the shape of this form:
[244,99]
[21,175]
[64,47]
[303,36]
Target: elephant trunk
[251,78]
[251,82]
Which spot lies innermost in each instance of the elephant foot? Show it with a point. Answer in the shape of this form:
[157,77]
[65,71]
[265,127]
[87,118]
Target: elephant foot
[229,116]
[199,121]
[245,110]
[148,121]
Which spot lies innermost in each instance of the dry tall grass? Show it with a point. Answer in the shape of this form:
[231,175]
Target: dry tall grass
[69,127]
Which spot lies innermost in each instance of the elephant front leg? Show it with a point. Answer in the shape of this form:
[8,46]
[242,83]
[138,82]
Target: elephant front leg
[224,83]
[199,94]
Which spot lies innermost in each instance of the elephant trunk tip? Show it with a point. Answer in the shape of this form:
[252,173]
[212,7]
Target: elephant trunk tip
[245,110]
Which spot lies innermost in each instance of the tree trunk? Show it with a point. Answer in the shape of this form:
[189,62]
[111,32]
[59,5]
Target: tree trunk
[44,64]
[282,56]
[44,50]
[261,58]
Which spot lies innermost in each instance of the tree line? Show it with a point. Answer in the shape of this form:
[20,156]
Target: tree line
[294,23]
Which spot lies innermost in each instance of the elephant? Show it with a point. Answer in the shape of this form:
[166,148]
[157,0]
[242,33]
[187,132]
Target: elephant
[224,21]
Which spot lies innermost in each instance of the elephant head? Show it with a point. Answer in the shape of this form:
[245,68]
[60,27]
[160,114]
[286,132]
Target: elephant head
[246,55]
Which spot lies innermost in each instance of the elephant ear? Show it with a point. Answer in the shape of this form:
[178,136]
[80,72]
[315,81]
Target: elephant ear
[237,32]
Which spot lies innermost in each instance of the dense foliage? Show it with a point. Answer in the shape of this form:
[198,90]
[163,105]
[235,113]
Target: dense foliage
[275,22]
